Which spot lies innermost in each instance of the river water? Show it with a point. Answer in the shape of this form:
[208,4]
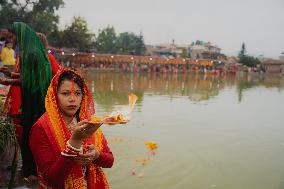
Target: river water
[212,132]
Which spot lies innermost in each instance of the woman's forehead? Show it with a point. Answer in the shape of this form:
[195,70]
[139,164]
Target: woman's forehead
[69,84]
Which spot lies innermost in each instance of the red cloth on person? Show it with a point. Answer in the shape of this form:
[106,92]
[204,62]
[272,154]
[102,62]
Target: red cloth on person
[54,65]
[13,101]
[48,138]
[52,166]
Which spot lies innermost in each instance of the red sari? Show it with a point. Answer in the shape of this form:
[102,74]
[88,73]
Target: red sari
[13,101]
[48,138]
[12,106]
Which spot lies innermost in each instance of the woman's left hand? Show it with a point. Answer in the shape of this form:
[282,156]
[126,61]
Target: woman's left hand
[89,157]
[83,130]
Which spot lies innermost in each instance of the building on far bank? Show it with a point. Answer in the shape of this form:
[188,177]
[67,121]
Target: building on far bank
[197,50]
[272,66]
[166,50]
[201,50]
[281,57]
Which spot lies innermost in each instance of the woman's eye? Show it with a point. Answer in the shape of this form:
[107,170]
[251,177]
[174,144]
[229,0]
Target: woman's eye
[78,94]
[65,94]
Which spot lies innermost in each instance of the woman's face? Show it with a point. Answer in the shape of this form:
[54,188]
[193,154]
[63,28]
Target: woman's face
[69,97]
[10,45]
[12,38]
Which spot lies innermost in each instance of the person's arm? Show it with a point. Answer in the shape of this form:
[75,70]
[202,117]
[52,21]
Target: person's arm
[105,159]
[15,75]
[10,81]
[6,71]
[54,169]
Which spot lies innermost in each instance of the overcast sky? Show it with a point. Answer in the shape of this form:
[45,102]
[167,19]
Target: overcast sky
[226,23]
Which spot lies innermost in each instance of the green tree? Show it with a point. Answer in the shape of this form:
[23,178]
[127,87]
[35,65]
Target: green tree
[249,61]
[107,41]
[129,43]
[199,42]
[245,59]
[77,35]
[243,51]
[39,14]
[140,48]
[8,14]
[126,43]
[55,38]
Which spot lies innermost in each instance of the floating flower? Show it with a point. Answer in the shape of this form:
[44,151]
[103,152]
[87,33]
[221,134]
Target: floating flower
[151,145]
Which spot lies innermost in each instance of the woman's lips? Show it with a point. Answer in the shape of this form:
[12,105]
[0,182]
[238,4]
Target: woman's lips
[72,107]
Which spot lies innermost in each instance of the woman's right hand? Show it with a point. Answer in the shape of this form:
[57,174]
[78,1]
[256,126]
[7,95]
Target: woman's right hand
[91,155]
[82,130]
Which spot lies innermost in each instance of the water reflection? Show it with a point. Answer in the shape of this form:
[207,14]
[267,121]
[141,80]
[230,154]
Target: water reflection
[270,81]
[112,88]
[213,132]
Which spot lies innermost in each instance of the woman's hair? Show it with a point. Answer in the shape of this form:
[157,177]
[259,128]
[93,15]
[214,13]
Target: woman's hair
[71,76]
[2,38]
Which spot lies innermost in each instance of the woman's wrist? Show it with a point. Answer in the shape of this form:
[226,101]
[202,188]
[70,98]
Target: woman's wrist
[15,75]
[75,143]
[97,154]
[71,151]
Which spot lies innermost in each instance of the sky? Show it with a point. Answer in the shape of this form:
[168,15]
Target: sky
[225,23]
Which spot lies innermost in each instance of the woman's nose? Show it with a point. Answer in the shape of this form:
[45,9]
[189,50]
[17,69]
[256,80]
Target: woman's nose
[72,97]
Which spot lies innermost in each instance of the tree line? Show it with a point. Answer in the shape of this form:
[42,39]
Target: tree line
[41,16]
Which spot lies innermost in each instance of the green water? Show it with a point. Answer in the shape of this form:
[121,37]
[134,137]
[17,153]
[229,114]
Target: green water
[224,133]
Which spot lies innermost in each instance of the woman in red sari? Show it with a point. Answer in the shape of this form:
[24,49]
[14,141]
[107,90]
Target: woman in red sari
[12,106]
[29,81]
[69,151]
